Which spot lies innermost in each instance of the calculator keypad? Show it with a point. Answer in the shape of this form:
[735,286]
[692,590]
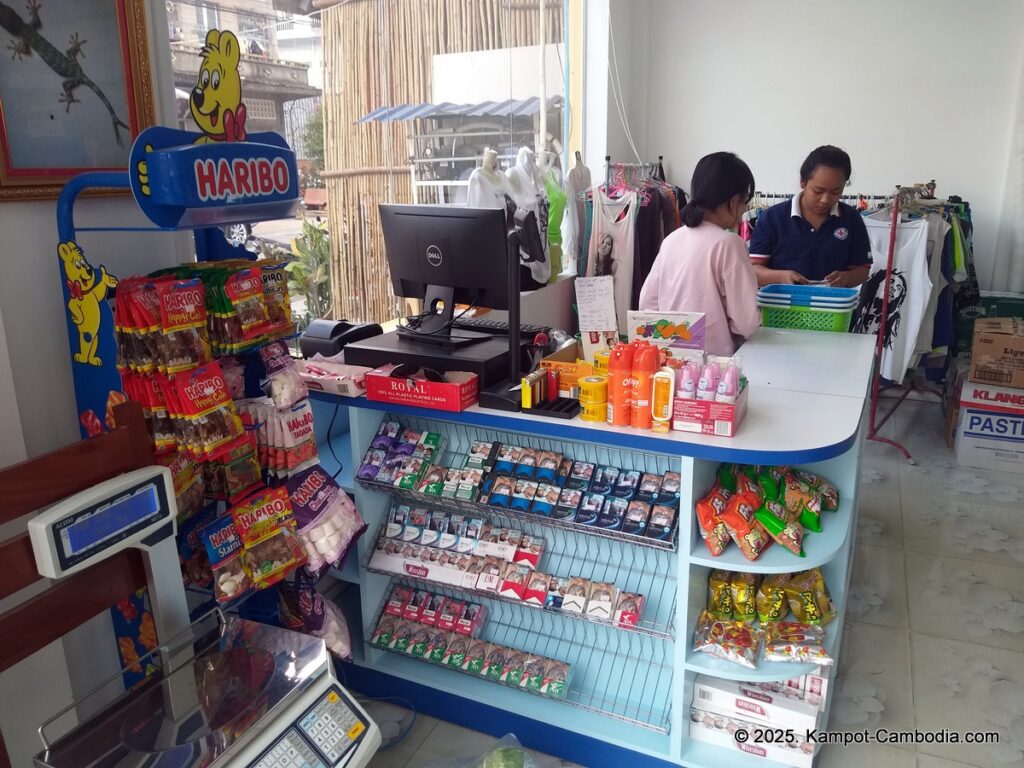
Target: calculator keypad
[332,726]
[290,752]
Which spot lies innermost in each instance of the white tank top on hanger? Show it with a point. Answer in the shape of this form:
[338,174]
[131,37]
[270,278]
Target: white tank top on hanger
[611,247]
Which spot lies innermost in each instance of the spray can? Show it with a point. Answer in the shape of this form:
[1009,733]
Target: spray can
[620,373]
[645,365]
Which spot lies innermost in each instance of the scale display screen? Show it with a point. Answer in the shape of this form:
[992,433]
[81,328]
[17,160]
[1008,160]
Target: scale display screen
[96,527]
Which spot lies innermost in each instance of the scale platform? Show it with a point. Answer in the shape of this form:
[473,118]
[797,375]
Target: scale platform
[248,695]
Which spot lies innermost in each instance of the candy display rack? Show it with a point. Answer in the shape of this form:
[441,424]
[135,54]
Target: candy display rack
[631,690]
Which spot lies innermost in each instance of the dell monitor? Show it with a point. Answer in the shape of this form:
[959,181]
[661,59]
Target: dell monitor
[446,255]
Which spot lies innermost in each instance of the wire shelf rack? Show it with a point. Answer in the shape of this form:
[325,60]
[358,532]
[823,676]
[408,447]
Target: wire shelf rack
[458,440]
[637,571]
[626,676]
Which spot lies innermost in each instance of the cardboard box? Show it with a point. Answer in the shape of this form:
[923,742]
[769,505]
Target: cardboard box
[460,391]
[759,704]
[991,428]
[336,378]
[991,304]
[718,729]
[680,334]
[570,368]
[710,418]
[997,352]
[956,377]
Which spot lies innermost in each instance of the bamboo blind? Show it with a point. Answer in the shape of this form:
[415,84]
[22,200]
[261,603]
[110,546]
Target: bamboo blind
[377,53]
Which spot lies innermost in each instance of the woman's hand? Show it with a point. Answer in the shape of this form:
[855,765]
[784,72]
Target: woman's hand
[847,278]
[788,277]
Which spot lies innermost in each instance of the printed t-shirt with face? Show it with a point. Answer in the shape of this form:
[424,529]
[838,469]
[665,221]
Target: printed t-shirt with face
[611,247]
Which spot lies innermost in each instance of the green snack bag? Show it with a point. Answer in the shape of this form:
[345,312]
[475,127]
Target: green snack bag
[771,481]
[781,526]
[803,502]
[727,477]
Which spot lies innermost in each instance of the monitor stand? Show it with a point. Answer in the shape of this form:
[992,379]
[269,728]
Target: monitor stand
[506,395]
[436,327]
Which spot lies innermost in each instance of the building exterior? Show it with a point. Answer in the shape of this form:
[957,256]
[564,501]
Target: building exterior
[273,76]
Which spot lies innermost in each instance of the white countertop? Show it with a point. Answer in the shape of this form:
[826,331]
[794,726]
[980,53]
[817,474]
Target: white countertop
[807,393]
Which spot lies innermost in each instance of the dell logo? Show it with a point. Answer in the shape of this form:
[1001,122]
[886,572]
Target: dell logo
[434,256]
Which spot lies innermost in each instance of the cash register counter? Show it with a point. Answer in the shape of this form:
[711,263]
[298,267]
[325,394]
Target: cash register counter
[630,690]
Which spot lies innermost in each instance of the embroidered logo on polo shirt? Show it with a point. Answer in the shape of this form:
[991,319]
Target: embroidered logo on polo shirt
[841,233]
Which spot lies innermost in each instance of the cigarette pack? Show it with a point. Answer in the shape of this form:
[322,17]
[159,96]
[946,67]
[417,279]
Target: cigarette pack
[557,587]
[455,654]
[786,708]
[469,538]
[404,632]
[396,521]
[590,509]
[476,657]
[547,467]
[628,609]
[527,466]
[576,593]
[536,592]
[437,645]
[533,673]
[627,484]
[451,609]
[387,435]
[452,528]
[413,610]
[494,662]
[419,642]
[432,530]
[400,596]
[720,730]
[556,679]
[471,622]
[581,475]
[662,523]
[507,458]
[669,492]
[564,470]
[500,493]
[385,631]
[452,478]
[490,574]
[605,479]
[371,465]
[432,610]
[512,672]
[482,455]
[471,576]
[568,504]
[545,500]
[414,525]
[522,497]
[469,486]
[432,482]
[637,515]
[650,486]
[530,550]
[513,581]
[602,600]
[612,515]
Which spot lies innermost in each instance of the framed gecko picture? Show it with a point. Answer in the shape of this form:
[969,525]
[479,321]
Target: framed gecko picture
[75,90]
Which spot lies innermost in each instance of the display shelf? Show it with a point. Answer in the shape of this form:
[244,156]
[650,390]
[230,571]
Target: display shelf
[343,447]
[705,664]
[349,571]
[819,548]
[603,678]
[699,754]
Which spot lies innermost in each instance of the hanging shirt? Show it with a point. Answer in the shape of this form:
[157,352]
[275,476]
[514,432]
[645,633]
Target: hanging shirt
[556,205]
[578,180]
[648,242]
[487,189]
[611,247]
[908,295]
[706,269]
[783,239]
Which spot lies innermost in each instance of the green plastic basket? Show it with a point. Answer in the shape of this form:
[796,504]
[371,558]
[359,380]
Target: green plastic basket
[806,318]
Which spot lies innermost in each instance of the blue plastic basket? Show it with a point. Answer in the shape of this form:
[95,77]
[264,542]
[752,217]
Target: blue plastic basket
[809,295]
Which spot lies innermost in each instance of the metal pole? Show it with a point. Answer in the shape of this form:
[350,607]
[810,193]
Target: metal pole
[543,126]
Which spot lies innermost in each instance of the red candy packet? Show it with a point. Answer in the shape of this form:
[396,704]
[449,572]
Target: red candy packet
[709,511]
[208,411]
[185,342]
[244,289]
[749,535]
[267,528]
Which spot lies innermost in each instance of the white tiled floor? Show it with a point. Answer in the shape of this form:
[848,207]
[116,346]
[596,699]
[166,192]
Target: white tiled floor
[935,633]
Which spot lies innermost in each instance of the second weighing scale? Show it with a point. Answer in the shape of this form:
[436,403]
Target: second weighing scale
[230,694]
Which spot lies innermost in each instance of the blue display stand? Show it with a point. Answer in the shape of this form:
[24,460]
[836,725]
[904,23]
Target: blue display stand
[181,183]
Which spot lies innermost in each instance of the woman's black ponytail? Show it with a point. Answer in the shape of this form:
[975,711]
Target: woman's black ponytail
[717,178]
[692,215]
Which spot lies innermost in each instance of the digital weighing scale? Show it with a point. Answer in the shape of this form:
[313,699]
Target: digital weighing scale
[229,694]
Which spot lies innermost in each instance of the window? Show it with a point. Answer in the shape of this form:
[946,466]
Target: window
[207,18]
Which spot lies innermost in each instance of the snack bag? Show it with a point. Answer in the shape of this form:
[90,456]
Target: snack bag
[244,290]
[772,603]
[709,520]
[188,484]
[320,618]
[234,377]
[727,474]
[241,468]
[276,299]
[720,595]
[267,528]
[195,565]
[771,481]
[749,487]
[803,502]
[749,535]
[184,341]
[298,444]
[283,384]
[809,598]
[743,588]
[829,493]
[212,424]
[224,549]
[792,641]
[328,521]
[728,640]
[776,520]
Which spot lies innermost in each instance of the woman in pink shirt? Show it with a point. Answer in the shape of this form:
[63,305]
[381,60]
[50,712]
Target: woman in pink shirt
[702,267]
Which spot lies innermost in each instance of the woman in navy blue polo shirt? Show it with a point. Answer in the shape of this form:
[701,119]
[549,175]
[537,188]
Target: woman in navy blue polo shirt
[813,237]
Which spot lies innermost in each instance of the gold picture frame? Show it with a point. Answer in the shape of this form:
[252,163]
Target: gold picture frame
[64,112]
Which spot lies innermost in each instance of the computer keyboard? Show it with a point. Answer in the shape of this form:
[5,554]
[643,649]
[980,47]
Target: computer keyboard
[497,327]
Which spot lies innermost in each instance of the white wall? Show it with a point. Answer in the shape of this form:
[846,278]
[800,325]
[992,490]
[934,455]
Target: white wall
[913,90]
